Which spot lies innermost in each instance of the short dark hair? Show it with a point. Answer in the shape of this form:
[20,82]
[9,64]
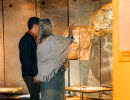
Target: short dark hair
[32,21]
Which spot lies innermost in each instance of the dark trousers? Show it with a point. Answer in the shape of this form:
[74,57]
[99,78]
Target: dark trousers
[33,88]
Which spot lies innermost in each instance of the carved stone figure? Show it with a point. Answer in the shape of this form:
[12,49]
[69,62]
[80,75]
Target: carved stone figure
[102,20]
[81,45]
[101,24]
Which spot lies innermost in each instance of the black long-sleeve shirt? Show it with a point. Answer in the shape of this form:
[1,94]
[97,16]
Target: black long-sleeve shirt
[28,58]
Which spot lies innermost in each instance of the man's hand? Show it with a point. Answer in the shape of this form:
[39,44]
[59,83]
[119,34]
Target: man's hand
[35,80]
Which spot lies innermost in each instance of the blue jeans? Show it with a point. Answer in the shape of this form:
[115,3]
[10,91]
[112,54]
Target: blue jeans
[54,89]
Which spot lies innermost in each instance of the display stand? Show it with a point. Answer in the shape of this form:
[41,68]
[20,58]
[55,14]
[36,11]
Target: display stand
[86,89]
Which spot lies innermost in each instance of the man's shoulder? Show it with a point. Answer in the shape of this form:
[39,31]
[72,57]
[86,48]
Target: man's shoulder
[26,37]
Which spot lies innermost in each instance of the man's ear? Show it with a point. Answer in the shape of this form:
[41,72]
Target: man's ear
[34,25]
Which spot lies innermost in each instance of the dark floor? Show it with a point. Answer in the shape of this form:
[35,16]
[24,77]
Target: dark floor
[68,98]
[16,97]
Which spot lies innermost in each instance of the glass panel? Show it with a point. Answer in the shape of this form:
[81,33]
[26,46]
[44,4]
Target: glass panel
[93,68]
[90,65]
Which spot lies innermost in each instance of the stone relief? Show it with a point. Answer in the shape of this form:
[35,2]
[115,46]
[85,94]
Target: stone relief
[100,24]
[81,45]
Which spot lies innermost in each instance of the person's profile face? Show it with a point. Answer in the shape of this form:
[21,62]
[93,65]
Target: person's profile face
[37,28]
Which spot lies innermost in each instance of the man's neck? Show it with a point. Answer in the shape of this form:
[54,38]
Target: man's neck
[34,36]
[34,32]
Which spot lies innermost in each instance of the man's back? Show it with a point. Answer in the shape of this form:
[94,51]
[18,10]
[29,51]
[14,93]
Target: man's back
[27,49]
[28,58]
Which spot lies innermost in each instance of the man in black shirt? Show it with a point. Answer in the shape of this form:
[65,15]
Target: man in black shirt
[28,58]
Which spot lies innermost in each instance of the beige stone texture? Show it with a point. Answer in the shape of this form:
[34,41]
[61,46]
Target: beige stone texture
[81,45]
[1,49]
[15,26]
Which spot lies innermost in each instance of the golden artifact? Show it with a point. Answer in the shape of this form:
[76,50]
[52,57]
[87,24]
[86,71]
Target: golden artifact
[9,90]
[81,45]
[101,22]
[87,88]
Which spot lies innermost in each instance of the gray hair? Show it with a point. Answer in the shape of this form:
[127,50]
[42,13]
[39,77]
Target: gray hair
[45,29]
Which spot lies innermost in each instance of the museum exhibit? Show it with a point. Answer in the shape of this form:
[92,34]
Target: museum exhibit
[98,61]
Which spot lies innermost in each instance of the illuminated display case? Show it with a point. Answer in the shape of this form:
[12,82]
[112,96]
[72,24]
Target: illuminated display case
[94,64]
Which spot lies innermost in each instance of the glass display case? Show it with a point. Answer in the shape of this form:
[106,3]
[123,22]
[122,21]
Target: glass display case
[90,58]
